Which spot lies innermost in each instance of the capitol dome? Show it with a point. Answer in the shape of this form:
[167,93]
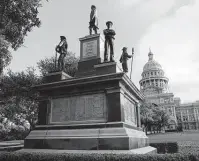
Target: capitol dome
[153,77]
[152,64]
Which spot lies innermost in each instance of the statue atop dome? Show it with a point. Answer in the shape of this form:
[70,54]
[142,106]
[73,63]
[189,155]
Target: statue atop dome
[150,54]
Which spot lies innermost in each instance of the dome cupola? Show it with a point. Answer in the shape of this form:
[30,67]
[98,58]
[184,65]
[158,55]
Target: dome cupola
[153,77]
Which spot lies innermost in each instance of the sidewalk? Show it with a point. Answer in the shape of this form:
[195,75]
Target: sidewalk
[11,145]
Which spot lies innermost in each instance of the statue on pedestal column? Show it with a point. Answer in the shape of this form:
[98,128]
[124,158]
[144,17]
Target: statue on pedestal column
[62,50]
[93,24]
[109,42]
[123,59]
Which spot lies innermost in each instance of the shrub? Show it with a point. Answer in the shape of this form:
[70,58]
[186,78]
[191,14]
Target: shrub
[89,156]
[163,148]
[17,133]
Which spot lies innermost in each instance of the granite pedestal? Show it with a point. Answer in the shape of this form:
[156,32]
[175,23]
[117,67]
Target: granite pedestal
[99,110]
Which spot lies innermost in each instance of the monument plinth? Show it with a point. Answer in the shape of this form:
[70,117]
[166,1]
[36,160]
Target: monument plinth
[98,109]
[91,50]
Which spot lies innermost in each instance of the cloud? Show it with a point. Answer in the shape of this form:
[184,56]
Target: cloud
[174,41]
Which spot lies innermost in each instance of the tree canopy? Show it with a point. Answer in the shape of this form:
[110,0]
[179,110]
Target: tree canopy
[17,18]
[153,115]
[19,100]
[5,55]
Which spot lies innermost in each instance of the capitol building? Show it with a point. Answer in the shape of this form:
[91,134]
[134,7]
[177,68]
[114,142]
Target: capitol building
[154,86]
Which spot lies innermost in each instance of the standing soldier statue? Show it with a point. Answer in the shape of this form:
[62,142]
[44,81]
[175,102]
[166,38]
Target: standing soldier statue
[62,50]
[109,41]
[93,24]
[123,59]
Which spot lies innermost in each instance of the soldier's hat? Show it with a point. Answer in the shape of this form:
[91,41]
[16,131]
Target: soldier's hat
[63,37]
[124,48]
[93,6]
[109,22]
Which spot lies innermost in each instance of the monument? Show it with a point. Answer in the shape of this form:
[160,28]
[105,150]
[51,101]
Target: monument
[98,109]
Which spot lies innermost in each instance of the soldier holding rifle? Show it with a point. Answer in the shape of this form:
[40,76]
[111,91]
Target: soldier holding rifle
[62,50]
[124,57]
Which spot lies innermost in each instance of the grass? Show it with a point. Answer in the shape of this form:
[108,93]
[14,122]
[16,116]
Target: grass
[188,142]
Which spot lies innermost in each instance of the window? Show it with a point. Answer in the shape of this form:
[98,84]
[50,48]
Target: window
[185,118]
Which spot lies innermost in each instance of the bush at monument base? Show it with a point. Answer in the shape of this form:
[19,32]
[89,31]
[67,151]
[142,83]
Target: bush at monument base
[24,156]
[162,148]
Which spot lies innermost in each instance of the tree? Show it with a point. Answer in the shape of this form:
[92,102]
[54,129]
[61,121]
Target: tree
[146,113]
[5,55]
[19,99]
[47,65]
[17,18]
[160,118]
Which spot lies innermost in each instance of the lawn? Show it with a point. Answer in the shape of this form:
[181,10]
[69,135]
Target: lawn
[187,141]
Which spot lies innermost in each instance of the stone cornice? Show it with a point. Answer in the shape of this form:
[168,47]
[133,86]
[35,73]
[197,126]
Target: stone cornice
[93,79]
[79,81]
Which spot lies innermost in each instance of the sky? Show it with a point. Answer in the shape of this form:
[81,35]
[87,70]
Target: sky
[169,27]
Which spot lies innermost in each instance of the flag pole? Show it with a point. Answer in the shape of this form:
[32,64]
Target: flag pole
[56,60]
[132,62]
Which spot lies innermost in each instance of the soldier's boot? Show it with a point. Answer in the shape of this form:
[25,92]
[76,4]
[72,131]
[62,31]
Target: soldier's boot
[90,30]
[105,57]
[95,29]
[112,57]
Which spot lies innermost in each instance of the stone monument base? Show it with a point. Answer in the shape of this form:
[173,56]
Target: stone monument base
[56,76]
[144,150]
[101,136]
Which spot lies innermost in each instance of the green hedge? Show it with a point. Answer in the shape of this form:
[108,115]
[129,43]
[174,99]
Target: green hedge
[162,148]
[21,156]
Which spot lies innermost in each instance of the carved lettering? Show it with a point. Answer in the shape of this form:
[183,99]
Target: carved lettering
[129,110]
[90,49]
[80,108]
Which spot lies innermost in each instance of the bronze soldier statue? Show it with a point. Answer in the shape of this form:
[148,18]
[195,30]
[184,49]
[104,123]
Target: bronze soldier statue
[62,50]
[123,59]
[109,41]
[93,24]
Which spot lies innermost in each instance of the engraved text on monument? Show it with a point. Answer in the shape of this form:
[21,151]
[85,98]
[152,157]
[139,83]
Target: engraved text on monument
[79,108]
[90,49]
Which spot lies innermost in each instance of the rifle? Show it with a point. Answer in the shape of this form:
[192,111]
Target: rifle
[55,60]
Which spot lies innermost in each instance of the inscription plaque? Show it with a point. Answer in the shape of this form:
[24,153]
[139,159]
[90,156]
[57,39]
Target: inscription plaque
[129,110]
[78,109]
[90,49]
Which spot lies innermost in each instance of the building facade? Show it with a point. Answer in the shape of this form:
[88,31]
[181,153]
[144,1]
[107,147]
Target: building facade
[188,115]
[154,86]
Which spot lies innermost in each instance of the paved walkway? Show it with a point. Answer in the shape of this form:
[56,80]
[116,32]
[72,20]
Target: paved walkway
[11,143]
